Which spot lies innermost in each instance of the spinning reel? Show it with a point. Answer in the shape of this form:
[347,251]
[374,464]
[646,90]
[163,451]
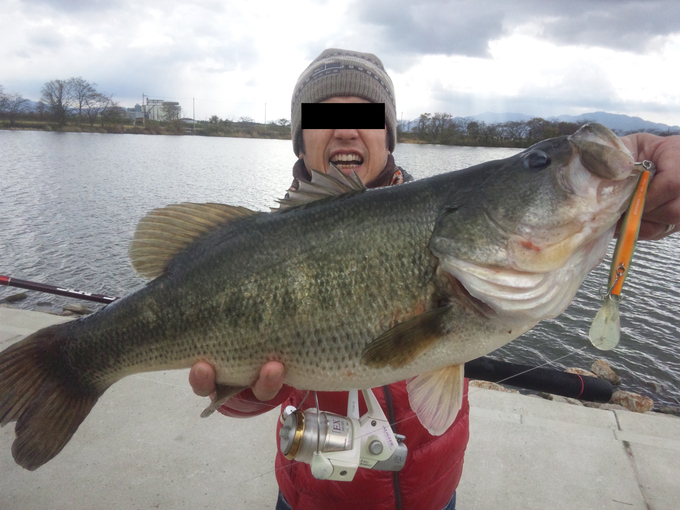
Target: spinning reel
[336,446]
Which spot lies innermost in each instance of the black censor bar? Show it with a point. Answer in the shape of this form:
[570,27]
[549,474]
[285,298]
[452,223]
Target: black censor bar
[342,116]
[540,379]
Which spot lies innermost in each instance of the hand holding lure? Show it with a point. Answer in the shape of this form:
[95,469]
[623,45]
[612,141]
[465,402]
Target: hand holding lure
[606,330]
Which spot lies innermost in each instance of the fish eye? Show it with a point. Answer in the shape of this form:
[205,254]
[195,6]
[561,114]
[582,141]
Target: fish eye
[536,160]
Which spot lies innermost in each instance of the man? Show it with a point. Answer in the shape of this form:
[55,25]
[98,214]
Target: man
[434,464]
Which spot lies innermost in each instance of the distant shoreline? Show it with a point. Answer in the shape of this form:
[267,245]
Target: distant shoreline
[258,133]
[139,130]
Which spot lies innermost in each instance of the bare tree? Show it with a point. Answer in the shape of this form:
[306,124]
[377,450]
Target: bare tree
[514,130]
[113,113]
[58,98]
[15,106]
[172,110]
[83,92]
[11,106]
[439,124]
[96,104]
[4,100]
[424,125]
[40,110]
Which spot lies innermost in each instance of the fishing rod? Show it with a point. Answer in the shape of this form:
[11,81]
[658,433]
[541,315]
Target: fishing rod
[51,289]
[483,369]
[592,389]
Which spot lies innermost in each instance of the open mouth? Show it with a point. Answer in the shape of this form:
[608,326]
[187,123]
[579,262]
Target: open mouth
[347,162]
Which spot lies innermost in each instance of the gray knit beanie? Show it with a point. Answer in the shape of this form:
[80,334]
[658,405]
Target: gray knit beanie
[344,73]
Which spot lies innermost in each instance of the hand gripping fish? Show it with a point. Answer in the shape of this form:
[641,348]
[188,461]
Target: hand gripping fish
[605,330]
[349,288]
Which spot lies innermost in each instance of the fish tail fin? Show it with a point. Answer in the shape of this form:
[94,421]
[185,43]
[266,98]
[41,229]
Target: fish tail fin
[40,391]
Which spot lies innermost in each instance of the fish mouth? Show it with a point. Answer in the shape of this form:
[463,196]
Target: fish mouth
[596,184]
[543,254]
[347,160]
[602,152]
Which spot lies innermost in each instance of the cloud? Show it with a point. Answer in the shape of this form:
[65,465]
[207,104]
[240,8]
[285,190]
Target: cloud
[466,27]
[433,26]
[626,25]
[443,55]
[45,39]
[75,6]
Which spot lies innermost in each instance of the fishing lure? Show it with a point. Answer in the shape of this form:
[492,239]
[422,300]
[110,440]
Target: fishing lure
[605,330]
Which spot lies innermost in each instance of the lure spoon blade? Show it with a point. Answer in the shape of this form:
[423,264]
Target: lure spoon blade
[605,330]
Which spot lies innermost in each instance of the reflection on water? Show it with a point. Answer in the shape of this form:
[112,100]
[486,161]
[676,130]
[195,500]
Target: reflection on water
[69,203]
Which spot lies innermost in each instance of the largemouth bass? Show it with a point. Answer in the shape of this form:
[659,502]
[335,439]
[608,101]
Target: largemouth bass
[347,287]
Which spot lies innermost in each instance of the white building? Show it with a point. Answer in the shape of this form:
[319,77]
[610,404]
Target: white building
[155,109]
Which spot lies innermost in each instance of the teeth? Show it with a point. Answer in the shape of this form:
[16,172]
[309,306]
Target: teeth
[346,157]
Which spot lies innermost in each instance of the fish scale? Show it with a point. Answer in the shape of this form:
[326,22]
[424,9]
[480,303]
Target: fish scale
[356,289]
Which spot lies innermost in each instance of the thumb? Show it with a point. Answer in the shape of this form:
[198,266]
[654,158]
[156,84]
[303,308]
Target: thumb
[270,381]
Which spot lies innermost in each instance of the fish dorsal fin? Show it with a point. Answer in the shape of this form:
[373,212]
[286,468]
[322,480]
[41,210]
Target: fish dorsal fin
[166,231]
[436,397]
[407,340]
[322,186]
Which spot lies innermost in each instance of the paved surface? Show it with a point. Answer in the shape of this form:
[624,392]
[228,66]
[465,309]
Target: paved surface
[144,446]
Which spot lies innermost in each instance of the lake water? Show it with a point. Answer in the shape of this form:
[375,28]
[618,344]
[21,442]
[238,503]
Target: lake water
[69,203]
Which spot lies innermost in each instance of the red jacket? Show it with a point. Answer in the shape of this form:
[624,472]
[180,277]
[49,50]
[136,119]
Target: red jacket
[433,466]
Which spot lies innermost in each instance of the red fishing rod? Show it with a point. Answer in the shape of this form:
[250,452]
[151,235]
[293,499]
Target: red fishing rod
[51,289]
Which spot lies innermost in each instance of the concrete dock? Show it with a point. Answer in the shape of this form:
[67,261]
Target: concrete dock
[144,447]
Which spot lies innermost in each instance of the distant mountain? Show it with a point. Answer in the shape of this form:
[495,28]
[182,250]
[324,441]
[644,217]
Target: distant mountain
[498,118]
[614,121]
[31,106]
[617,122]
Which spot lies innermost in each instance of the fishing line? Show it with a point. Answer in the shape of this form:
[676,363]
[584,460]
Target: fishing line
[474,389]
[549,362]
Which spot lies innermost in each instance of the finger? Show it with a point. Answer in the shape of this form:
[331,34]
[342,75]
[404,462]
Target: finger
[667,214]
[270,381]
[202,379]
[650,231]
[663,189]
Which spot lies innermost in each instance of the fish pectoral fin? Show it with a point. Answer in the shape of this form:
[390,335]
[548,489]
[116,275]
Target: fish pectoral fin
[436,397]
[407,340]
[165,232]
[222,394]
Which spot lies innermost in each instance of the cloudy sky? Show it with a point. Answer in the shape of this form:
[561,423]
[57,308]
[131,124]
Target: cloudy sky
[464,57]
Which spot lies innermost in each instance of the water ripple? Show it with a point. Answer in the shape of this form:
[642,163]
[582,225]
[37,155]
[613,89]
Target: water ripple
[69,203]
